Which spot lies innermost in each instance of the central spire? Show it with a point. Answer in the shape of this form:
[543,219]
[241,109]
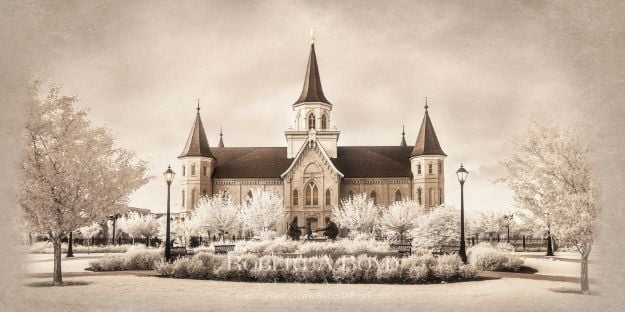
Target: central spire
[197,144]
[312,92]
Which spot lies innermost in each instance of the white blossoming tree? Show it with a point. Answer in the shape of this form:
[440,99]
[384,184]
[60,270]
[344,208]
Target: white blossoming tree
[90,231]
[400,217]
[218,214]
[441,226]
[71,174]
[358,213]
[137,225]
[262,211]
[549,172]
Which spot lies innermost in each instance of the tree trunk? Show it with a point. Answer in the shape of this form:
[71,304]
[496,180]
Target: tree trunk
[584,275]
[57,276]
[70,244]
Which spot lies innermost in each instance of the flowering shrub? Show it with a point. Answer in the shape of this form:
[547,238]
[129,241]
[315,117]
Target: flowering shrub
[447,267]
[136,258]
[485,257]
[388,270]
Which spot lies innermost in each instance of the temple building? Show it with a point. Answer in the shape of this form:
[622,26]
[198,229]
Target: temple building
[313,173]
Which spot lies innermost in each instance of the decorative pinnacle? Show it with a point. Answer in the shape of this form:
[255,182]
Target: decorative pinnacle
[198,105]
[426,103]
[221,132]
[403,132]
[312,36]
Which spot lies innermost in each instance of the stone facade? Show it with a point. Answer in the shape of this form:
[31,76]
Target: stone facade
[313,173]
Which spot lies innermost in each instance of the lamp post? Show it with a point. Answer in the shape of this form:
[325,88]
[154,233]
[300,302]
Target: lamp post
[169,176]
[508,218]
[462,176]
[114,219]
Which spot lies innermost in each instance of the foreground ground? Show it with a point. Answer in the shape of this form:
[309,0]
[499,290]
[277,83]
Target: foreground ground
[551,288]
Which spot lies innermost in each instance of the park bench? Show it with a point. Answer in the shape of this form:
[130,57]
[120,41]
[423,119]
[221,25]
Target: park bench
[223,249]
[404,250]
[177,252]
[446,250]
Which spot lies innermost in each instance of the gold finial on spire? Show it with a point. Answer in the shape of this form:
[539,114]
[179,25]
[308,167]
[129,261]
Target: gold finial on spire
[426,103]
[312,36]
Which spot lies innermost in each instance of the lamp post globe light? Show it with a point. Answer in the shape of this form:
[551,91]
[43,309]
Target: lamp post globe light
[169,176]
[462,177]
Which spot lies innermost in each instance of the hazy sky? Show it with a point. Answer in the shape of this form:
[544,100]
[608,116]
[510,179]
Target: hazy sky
[488,68]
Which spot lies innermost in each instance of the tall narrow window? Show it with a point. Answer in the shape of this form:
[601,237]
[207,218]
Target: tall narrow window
[312,194]
[374,196]
[193,169]
[440,167]
[204,193]
[193,198]
[249,195]
[324,122]
[440,196]
[419,196]
[295,198]
[350,194]
[398,195]
[311,121]
[430,168]
[430,197]
[184,171]
[327,199]
[204,170]
[183,198]
[418,168]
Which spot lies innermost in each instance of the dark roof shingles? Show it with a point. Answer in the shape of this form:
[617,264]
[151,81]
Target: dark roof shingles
[352,161]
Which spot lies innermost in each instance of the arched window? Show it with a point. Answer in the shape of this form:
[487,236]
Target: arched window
[374,196]
[430,171]
[350,194]
[324,122]
[204,193]
[184,171]
[311,121]
[182,198]
[295,198]
[249,195]
[312,194]
[440,167]
[328,198]
[398,195]
[419,196]
[418,168]
[193,169]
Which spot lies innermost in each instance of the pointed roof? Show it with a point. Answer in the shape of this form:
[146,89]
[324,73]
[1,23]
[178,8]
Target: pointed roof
[403,137]
[221,137]
[197,144]
[427,142]
[312,92]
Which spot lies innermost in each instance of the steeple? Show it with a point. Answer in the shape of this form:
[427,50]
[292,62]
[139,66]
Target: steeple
[403,137]
[312,92]
[221,137]
[427,142]
[197,144]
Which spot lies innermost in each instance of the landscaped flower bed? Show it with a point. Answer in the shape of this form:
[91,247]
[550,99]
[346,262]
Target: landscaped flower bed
[339,247]
[346,269]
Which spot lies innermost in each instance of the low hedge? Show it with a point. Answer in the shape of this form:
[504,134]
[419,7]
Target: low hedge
[346,269]
[136,258]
